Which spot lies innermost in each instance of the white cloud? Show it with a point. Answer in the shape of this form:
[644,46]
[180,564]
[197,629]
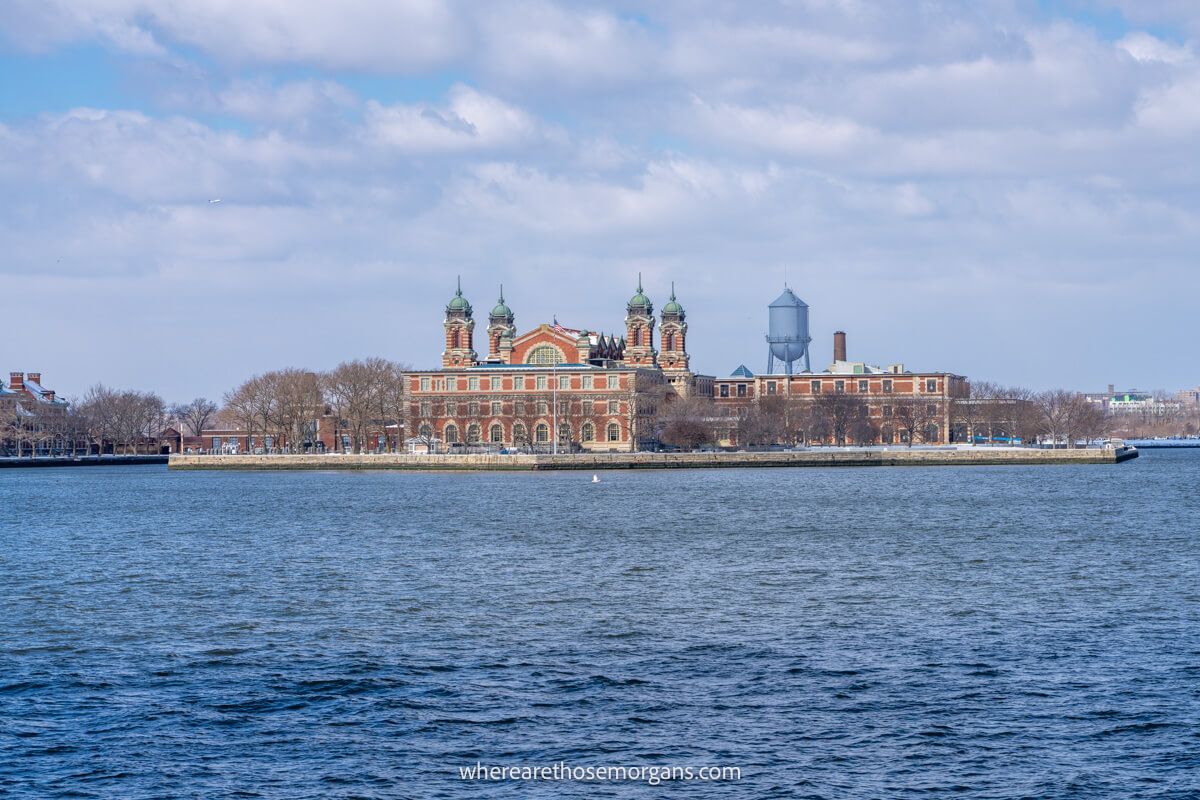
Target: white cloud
[470,121]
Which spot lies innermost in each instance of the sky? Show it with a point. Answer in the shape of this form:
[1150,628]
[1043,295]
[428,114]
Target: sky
[1005,189]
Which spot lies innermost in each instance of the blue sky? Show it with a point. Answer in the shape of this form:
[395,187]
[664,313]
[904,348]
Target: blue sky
[1007,190]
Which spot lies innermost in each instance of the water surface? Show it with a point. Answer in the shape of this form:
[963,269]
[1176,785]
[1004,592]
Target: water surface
[906,632]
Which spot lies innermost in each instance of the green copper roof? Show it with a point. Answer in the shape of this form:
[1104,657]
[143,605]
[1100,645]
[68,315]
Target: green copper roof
[640,300]
[672,306]
[502,309]
[458,302]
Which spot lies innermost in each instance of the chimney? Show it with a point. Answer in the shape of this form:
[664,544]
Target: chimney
[1111,388]
[839,345]
[35,377]
[16,381]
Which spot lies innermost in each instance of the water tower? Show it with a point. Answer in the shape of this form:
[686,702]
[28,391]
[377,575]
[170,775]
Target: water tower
[788,336]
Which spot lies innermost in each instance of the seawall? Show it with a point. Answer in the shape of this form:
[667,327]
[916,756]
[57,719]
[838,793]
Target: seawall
[80,461]
[602,461]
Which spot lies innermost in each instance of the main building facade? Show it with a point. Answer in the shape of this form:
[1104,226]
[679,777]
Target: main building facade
[551,387]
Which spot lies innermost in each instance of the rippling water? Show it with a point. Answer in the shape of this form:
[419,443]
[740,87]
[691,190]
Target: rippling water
[969,632]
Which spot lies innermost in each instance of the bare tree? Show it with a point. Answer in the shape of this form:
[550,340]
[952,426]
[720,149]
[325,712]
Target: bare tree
[355,390]
[685,422]
[914,418]
[195,416]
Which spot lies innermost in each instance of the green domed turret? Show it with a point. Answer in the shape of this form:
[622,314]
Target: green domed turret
[672,306]
[502,309]
[639,302]
[458,302]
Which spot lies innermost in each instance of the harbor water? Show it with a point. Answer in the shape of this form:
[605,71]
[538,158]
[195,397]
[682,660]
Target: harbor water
[990,632]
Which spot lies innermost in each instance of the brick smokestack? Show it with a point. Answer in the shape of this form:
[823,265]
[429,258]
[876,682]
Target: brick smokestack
[35,377]
[839,345]
[16,380]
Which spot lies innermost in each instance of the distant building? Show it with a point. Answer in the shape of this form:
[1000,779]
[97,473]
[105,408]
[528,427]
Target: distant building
[585,388]
[33,419]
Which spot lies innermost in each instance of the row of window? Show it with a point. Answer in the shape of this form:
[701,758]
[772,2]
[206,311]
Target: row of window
[520,434]
[815,387]
[519,407]
[475,383]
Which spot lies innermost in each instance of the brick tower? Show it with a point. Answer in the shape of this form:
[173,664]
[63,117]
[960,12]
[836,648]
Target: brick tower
[674,356]
[501,331]
[460,331]
[639,330]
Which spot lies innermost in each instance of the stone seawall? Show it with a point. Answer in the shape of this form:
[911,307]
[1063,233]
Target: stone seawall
[603,461]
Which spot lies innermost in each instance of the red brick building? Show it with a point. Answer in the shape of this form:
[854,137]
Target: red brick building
[591,387]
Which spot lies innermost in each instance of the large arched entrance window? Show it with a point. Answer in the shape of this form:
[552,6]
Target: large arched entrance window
[496,434]
[589,432]
[614,432]
[542,433]
[472,434]
[520,435]
[450,434]
[545,355]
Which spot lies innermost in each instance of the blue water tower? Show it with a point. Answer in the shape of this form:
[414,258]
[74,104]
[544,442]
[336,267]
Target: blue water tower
[788,337]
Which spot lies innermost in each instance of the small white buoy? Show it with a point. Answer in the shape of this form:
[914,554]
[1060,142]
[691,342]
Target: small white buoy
[595,479]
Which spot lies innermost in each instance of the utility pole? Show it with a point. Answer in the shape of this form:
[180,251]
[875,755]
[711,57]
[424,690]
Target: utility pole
[554,410]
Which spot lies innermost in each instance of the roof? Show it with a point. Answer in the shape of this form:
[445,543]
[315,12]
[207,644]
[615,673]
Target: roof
[40,393]
[741,372]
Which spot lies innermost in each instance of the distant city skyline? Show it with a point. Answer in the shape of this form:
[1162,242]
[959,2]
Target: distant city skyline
[197,193]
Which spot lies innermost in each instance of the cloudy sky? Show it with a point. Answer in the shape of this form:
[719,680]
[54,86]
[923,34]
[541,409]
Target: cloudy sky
[1007,190]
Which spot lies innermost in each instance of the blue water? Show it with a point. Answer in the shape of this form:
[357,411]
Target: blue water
[909,632]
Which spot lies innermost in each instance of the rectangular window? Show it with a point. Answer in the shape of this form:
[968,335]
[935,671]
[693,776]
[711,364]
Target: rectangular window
[770,387]
[887,411]
[541,381]
[451,384]
[614,406]
[814,387]
[519,408]
[564,382]
[931,408]
[839,386]
[496,408]
[426,409]
[473,408]
[587,408]
[741,390]
[424,383]
[587,381]
[519,382]
[862,386]
[724,390]
[887,385]
[543,407]
[931,384]
[451,408]
[473,384]
[216,443]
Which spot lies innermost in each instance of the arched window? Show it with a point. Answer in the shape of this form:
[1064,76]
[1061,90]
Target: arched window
[496,434]
[520,435]
[546,355]
[542,433]
[472,434]
[669,343]
[455,339]
[636,338]
[450,433]
[589,432]
[425,431]
[614,432]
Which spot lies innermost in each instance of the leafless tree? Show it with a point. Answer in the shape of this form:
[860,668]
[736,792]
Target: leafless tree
[914,418]
[355,390]
[685,422]
[195,416]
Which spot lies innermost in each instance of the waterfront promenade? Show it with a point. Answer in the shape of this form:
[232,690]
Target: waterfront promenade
[817,457]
